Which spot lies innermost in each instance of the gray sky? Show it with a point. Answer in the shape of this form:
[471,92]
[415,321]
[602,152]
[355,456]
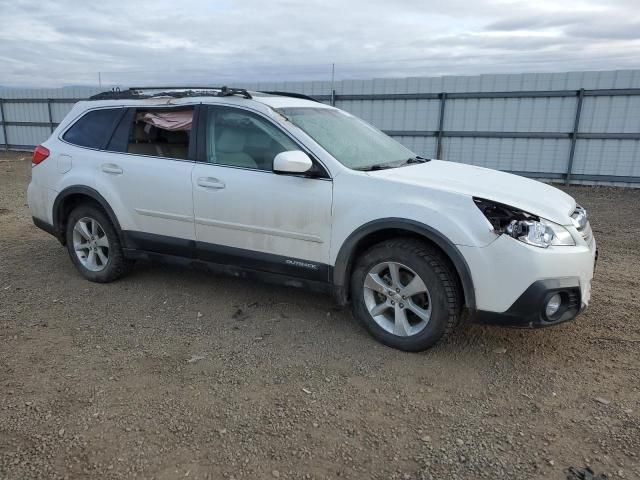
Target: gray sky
[195,41]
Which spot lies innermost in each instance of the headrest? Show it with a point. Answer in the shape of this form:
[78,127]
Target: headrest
[231,141]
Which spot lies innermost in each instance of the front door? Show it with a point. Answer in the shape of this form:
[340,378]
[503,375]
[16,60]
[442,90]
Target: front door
[249,216]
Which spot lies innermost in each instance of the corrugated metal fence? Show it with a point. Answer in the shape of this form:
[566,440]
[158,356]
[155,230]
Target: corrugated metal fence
[581,127]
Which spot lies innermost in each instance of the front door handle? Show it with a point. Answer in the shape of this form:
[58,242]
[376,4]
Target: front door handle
[211,183]
[111,168]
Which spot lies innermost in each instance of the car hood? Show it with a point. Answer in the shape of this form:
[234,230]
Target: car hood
[529,195]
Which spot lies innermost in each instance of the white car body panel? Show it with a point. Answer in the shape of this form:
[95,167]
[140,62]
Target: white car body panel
[260,211]
[360,198]
[147,197]
[462,179]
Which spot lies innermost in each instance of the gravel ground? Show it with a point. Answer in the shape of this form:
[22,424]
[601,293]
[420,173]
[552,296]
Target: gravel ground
[174,373]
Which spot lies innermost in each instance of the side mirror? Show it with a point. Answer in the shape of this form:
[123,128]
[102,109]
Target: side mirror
[294,161]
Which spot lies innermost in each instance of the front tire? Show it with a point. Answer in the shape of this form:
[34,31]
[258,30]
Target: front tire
[94,246]
[406,294]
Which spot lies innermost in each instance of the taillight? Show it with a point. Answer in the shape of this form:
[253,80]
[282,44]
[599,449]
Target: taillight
[40,154]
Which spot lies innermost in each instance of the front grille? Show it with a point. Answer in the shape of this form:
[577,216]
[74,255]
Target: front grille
[579,218]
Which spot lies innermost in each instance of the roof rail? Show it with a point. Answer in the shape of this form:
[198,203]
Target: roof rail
[113,94]
[292,94]
[226,91]
[174,92]
[176,87]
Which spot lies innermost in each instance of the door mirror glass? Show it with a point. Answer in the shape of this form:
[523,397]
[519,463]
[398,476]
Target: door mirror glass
[293,161]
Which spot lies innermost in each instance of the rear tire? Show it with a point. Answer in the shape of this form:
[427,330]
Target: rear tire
[406,294]
[94,246]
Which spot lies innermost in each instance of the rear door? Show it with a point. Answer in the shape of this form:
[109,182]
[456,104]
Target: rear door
[145,175]
[247,215]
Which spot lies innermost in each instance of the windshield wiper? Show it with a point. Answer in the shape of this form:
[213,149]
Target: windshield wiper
[385,166]
[417,159]
[380,166]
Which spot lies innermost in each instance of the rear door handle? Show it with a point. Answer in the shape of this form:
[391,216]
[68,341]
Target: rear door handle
[111,168]
[211,183]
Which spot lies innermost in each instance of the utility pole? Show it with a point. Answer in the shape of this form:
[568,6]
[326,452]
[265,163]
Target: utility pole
[333,90]
[99,80]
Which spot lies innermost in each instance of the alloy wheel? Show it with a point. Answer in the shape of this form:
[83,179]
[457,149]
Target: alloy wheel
[397,299]
[91,244]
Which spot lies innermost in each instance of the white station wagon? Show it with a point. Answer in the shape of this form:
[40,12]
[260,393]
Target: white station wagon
[286,189]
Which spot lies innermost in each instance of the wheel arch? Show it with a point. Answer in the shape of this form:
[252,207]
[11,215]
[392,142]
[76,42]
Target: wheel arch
[384,229]
[75,195]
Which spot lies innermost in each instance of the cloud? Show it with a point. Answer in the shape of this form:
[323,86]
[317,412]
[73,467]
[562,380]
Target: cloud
[608,30]
[151,42]
[532,23]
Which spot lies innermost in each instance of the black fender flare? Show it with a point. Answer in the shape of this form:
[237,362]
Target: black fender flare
[88,192]
[345,258]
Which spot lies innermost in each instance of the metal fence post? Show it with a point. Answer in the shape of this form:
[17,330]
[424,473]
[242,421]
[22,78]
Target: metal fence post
[4,125]
[574,136]
[333,98]
[50,116]
[443,99]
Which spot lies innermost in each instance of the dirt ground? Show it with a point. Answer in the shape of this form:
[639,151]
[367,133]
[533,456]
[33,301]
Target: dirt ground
[174,373]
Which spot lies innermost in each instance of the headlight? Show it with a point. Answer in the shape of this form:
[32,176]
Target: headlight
[579,218]
[523,226]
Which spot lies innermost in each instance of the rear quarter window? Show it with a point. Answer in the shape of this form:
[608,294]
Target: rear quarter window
[94,129]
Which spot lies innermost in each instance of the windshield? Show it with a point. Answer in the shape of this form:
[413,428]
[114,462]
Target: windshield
[353,142]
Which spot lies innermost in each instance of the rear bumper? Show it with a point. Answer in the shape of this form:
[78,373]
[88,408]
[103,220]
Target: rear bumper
[528,311]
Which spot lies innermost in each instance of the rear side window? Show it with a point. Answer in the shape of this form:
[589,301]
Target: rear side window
[94,129]
[161,132]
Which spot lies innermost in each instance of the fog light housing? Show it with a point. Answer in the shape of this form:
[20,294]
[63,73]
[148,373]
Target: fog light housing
[553,305]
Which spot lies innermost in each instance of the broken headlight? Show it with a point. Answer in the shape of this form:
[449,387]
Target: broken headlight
[523,226]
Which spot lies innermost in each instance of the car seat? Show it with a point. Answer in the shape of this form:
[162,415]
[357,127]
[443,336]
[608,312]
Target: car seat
[230,149]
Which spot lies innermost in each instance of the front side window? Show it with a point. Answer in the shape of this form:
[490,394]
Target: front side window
[241,139]
[351,141]
[161,132]
[94,128]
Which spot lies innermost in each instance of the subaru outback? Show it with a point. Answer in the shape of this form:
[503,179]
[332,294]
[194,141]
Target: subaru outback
[280,187]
